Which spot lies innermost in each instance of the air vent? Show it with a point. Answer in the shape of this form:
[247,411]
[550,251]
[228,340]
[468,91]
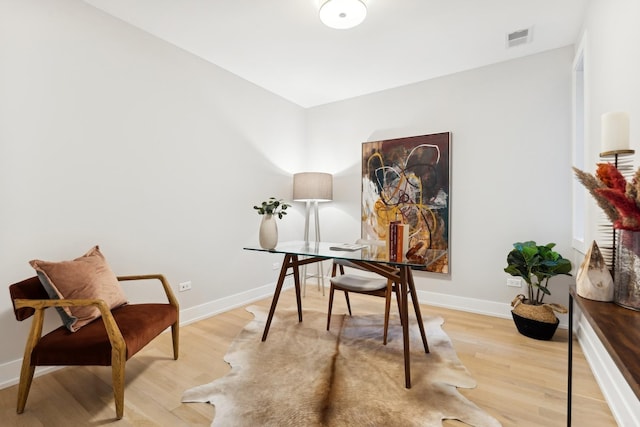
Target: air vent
[519,37]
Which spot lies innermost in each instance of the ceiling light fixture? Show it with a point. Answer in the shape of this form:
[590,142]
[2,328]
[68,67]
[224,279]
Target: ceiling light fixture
[342,14]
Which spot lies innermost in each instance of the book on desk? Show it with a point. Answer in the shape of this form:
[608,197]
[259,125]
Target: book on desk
[350,247]
[398,241]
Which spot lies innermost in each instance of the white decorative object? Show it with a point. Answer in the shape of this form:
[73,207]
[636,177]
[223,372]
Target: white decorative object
[615,131]
[594,280]
[268,232]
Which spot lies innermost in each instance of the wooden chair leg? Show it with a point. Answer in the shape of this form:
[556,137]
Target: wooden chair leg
[26,378]
[387,309]
[346,296]
[330,306]
[117,378]
[118,360]
[175,337]
[398,302]
[27,370]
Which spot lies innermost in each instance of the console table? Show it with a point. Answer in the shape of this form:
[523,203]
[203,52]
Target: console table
[618,329]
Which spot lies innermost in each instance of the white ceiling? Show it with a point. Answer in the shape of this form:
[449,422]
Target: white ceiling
[282,46]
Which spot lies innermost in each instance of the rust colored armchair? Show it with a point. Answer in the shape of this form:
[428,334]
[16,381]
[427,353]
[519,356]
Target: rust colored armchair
[110,340]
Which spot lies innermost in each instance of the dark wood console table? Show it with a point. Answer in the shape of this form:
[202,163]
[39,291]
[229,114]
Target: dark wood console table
[618,329]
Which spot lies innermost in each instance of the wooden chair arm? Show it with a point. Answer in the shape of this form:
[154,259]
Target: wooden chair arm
[388,271]
[46,303]
[165,284]
[113,332]
[347,263]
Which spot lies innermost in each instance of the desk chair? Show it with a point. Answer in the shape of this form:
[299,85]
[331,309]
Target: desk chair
[362,285]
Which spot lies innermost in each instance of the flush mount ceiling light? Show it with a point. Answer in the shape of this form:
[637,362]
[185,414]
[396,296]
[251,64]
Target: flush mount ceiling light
[342,14]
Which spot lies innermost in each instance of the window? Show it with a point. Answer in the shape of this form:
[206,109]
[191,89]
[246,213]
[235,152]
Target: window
[579,117]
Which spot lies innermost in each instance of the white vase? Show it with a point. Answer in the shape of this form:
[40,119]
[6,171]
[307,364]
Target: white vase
[268,232]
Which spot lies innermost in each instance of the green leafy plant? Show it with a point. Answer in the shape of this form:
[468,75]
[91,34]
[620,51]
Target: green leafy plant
[536,265]
[272,206]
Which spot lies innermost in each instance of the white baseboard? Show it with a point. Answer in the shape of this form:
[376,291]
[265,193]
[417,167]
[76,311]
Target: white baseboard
[621,399]
[10,372]
[472,305]
[221,305]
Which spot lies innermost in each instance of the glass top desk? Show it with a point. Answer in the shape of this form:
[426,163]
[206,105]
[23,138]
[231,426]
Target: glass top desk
[370,257]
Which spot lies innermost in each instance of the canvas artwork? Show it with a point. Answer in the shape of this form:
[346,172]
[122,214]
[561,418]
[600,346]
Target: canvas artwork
[407,179]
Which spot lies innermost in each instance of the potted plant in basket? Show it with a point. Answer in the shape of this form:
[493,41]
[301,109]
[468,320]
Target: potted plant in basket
[269,209]
[536,264]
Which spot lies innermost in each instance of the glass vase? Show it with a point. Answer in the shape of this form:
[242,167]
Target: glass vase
[626,291]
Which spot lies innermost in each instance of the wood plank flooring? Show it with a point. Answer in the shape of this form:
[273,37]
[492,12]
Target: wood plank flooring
[521,381]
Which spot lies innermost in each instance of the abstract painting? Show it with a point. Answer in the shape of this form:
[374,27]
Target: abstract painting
[407,179]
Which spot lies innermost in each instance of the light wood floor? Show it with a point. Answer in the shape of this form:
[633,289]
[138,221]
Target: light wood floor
[521,381]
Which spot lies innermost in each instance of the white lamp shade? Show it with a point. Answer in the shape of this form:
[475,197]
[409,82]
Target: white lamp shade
[316,186]
[342,14]
[615,131]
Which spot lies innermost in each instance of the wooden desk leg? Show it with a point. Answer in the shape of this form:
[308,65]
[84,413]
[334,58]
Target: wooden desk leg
[404,314]
[296,281]
[286,263]
[570,361]
[416,308]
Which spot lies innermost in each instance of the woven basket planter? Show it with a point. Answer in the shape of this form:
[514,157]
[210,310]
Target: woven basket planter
[535,321]
[535,329]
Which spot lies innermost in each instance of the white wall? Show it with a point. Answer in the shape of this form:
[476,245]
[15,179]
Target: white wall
[511,175]
[110,136]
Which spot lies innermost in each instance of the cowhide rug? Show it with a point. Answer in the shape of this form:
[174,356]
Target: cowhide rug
[303,375]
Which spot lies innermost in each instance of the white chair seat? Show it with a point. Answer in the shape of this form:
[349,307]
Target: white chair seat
[353,282]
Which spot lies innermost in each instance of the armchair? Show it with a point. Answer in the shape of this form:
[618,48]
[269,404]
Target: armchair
[110,340]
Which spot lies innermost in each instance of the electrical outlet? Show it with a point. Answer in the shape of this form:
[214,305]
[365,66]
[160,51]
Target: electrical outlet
[275,266]
[184,286]
[514,283]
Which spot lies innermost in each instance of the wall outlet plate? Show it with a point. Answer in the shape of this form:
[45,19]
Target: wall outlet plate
[514,283]
[184,286]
